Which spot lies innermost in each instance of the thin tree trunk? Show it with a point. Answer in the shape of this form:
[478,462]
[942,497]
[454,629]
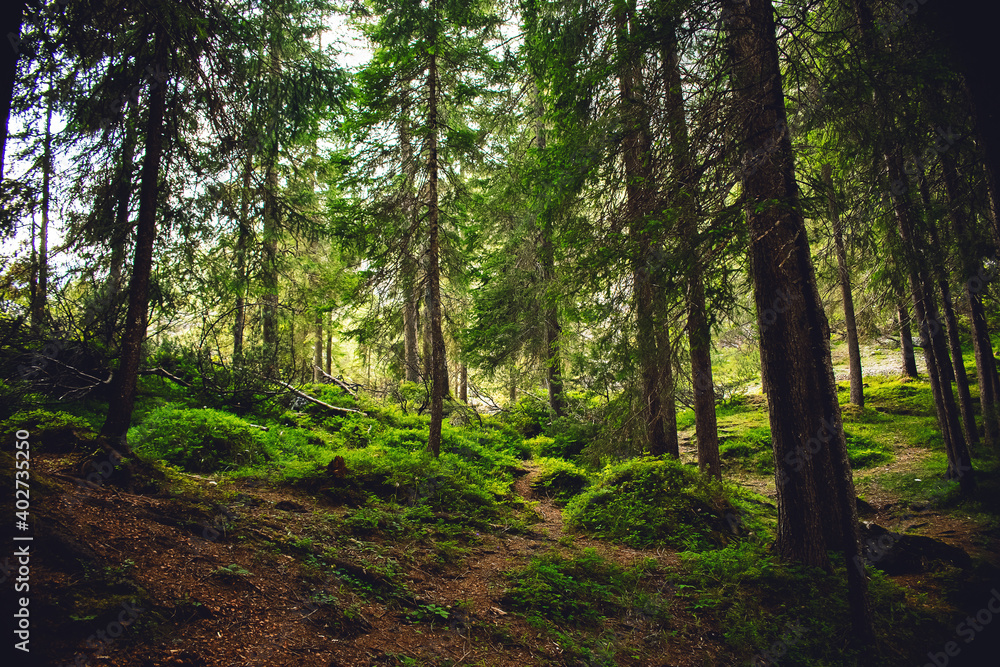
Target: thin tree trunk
[39,304]
[971,266]
[242,243]
[546,253]
[463,384]
[318,348]
[640,196]
[329,347]
[816,499]
[410,343]
[699,331]
[853,348]
[120,234]
[411,305]
[439,379]
[269,274]
[667,397]
[931,338]
[935,348]
[954,342]
[122,400]
[906,341]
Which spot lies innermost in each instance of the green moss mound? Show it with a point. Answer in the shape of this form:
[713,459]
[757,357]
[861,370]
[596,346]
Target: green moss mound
[647,502]
[559,480]
[198,440]
[58,432]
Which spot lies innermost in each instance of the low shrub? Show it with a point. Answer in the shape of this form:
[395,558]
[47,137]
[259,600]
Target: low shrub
[560,480]
[575,591]
[652,501]
[49,431]
[198,440]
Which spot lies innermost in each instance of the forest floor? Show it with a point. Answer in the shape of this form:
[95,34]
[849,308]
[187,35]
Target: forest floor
[226,573]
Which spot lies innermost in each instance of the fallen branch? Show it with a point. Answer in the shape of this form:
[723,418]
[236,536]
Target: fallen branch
[309,398]
[162,372]
[337,381]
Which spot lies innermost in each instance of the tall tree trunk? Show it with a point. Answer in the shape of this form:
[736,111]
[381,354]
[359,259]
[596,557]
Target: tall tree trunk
[120,235]
[122,399]
[640,194]
[318,348]
[971,267]
[931,336]
[329,347]
[411,290]
[411,359]
[269,273]
[546,253]
[906,341]
[10,33]
[667,398]
[39,301]
[439,379]
[935,348]
[853,348]
[463,383]
[699,331]
[242,244]
[816,499]
[951,323]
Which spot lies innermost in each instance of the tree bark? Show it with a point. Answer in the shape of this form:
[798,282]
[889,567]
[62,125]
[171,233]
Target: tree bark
[699,331]
[971,267]
[816,499]
[951,324]
[318,348]
[329,347]
[935,349]
[853,347]
[640,196]
[269,273]
[410,357]
[39,301]
[906,341]
[242,243]
[546,252]
[439,378]
[119,240]
[10,33]
[122,399]
[411,290]
[667,396]
[463,383]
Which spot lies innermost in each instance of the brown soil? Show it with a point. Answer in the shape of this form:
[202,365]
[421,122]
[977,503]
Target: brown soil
[225,577]
[236,598]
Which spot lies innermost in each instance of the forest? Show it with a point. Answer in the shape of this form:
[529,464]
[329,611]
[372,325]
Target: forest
[499,333]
